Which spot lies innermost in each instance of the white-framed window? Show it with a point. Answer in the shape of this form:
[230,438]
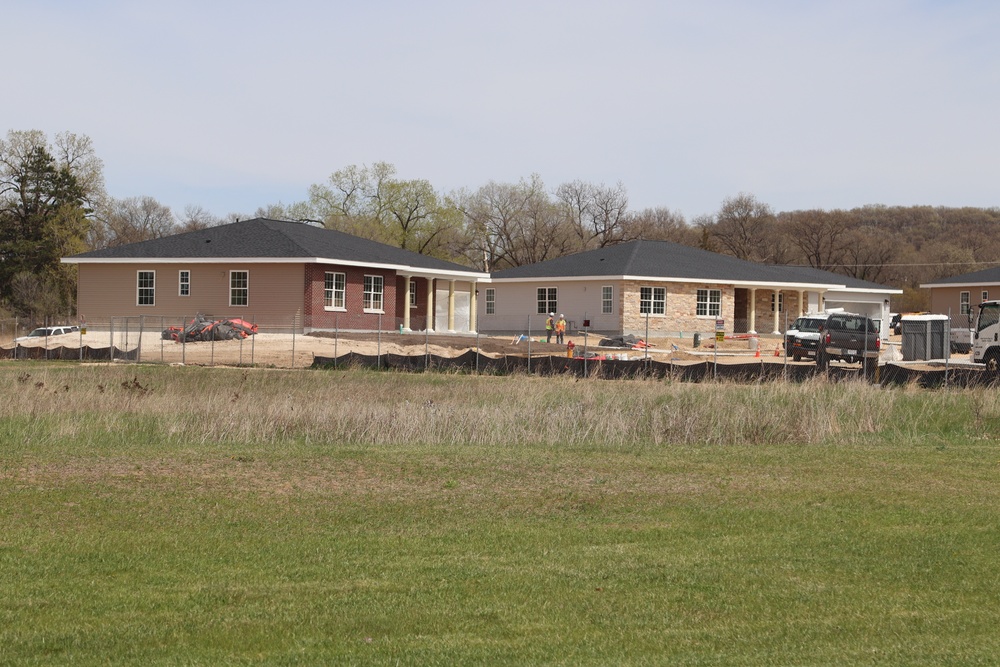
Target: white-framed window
[986,296]
[184,283]
[372,300]
[781,302]
[547,300]
[652,300]
[963,302]
[607,299]
[413,294]
[145,285]
[709,303]
[491,301]
[334,290]
[239,288]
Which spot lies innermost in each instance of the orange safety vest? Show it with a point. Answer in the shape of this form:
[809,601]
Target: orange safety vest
[561,326]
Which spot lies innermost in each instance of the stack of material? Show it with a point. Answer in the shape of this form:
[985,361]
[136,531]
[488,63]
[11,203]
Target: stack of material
[626,342]
[203,329]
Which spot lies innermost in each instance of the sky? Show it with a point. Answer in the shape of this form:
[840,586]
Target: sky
[232,106]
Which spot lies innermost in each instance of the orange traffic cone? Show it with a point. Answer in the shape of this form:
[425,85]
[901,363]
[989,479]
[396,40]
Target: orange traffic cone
[777,350]
[757,353]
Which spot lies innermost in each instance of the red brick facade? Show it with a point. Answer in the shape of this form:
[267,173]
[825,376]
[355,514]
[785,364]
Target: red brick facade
[353,316]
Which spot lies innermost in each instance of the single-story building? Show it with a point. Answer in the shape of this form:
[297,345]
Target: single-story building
[288,275]
[958,295]
[673,290]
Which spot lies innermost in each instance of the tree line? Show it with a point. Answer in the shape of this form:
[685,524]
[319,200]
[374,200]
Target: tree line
[53,203]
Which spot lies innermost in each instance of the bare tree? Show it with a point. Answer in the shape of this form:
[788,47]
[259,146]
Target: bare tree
[130,220]
[821,236]
[660,224]
[597,213]
[744,228]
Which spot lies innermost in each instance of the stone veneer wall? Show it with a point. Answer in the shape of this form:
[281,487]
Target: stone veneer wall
[682,300]
[765,316]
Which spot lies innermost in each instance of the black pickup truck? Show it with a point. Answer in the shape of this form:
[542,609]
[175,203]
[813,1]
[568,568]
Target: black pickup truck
[851,338]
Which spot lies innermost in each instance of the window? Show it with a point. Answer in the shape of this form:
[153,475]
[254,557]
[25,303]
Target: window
[781,302]
[547,300]
[491,300]
[334,287]
[373,293]
[607,299]
[146,288]
[413,294]
[184,283]
[652,300]
[986,296]
[709,302]
[963,303]
[239,288]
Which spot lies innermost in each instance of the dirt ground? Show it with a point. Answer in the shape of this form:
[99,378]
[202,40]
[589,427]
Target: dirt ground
[288,351]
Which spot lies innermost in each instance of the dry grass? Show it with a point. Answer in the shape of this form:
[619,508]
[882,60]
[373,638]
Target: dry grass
[200,406]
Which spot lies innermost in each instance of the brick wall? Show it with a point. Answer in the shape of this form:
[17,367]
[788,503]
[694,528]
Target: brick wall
[316,315]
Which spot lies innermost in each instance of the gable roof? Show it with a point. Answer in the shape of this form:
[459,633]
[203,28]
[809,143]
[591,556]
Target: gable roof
[665,260]
[264,240]
[974,279]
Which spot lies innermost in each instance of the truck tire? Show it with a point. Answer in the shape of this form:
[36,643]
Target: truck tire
[822,361]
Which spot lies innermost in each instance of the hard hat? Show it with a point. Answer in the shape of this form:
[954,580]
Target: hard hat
[561,315]
[552,314]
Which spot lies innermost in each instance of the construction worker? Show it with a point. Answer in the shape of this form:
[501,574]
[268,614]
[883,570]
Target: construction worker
[550,324]
[560,329]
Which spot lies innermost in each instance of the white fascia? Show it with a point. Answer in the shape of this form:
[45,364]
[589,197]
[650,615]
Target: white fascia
[398,268]
[661,279]
[980,284]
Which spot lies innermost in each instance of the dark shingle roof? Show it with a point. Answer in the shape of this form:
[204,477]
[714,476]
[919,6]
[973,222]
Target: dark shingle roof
[663,259]
[263,238]
[982,277]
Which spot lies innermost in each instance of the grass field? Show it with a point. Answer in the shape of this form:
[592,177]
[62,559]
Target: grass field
[162,515]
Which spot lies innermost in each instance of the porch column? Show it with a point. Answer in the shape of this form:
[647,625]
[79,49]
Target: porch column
[777,310]
[802,302]
[430,305]
[753,310]
[406,304]
[472,306]
[451,306]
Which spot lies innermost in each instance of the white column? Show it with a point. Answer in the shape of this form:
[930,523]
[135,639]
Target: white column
[753,310]
[451,306]
[802,303]
[777,310]
[406,304]
[430,304]
[472,306]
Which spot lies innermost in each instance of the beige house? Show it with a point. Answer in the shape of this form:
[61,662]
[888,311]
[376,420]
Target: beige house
[670,289]
[959,295]
[278,274]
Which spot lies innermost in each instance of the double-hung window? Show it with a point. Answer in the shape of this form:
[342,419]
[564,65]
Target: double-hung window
[239,288]
[146,288]
[986,296]
[547,300]
[607,299]
[184,283]
[781,302]
[373,293]
[413,294]
[491,300]
[334,288]
[652,300]
[709,303]
[963,303]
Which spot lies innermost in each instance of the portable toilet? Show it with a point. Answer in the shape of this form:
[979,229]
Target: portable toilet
[925,337]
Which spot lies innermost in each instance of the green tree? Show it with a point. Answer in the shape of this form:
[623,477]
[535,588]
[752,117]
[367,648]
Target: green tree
[372,203]
[44,196]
